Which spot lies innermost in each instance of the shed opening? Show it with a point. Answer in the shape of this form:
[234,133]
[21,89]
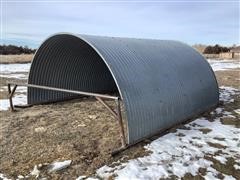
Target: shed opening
[66,61]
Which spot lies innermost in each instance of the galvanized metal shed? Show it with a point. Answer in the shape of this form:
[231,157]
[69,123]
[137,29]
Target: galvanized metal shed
[161,83]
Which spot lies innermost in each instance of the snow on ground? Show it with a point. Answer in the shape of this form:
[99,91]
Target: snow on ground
[226,94]
[18,71]
[19,99]
[237,111]
[221,65]
[35,172]
[56,166]
[20,89]
[14,75]
[175,154]
[14,68]
[3,177]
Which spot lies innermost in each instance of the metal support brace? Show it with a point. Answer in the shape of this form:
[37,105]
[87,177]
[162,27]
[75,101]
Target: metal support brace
[117,114]
[11,93]
[120,121]
[107,106]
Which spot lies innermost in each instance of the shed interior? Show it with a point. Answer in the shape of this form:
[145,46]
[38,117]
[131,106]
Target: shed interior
[65,61]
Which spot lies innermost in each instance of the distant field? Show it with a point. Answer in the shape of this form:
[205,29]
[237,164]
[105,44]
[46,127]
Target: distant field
[21,58]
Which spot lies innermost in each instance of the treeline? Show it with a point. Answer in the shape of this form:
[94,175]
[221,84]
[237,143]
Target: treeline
[11,49]
[215,49]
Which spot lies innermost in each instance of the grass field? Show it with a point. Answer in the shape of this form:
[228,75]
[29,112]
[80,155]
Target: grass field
[21,58]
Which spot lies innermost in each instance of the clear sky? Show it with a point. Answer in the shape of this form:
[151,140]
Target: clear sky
[29,23]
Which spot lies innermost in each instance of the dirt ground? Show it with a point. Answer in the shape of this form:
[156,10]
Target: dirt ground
[229,78]
[21,58]
[79,130]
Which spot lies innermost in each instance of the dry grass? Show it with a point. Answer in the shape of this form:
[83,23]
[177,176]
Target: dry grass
[11,59]
[229,78]
[81,130]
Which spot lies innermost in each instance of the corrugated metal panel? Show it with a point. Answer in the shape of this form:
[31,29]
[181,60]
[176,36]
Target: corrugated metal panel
[161,82]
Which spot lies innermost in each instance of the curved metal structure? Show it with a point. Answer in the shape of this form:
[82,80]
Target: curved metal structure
[161,83]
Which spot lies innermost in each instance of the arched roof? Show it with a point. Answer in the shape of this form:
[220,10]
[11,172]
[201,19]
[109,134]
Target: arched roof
[161,83]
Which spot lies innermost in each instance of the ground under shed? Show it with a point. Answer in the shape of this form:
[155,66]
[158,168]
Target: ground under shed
[82,131]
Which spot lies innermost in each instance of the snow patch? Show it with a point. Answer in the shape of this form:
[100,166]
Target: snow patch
[20,89]
[237,111]
[81,177]
[14,76]
[236,166]
[174,155]
[56,166]
[19,99]
[35,172]
[20,177]
[17,71]
[226,94]
[12,68]
[221,65]
[221,159]
[3,177]
[219,110]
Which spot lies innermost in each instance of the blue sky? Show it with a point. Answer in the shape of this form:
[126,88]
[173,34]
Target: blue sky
[29,23]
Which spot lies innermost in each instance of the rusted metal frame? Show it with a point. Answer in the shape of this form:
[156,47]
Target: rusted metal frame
[122,133]
[118,116]
[9,88]
[120,121]
[107,106]
[11,93]
[50,102]
[67,90]
[99,97]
